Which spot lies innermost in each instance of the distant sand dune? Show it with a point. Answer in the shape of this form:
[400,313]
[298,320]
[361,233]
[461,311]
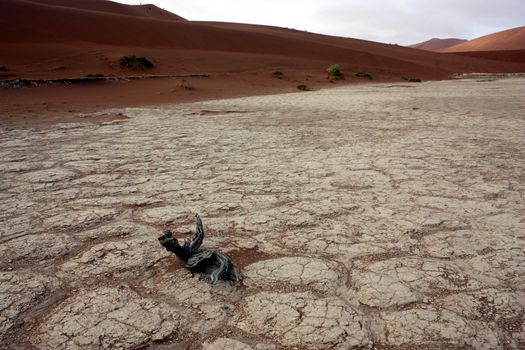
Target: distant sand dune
[436,44]
[511,39]
[96,31]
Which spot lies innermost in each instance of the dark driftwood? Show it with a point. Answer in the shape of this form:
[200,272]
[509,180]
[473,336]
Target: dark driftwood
[197,260]
[18,83]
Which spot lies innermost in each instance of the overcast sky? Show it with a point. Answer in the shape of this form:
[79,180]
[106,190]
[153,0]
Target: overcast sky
[389,21]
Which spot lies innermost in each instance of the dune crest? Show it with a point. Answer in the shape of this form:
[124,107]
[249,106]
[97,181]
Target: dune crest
[436,44]
[511,39]
[146,10]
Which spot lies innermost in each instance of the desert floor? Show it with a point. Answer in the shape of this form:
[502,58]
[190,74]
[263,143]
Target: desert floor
[376,215]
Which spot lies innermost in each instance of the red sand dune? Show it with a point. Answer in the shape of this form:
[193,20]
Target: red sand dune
[511,39]
[89,34]
[436,44]
[72,38]
[148,10]
[517,56]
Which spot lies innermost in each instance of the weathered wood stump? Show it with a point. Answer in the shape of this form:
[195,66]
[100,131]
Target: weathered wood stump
[197,260]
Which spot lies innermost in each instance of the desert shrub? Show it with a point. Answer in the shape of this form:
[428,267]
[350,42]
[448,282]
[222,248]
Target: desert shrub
[143,61]
[278,74]
[185,85]
[302,87]
[412,79]
[3,69]
[96,75]
[364,75]
[334,71]
[135,61]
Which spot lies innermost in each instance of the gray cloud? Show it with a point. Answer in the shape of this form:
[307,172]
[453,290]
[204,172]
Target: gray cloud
[391,21]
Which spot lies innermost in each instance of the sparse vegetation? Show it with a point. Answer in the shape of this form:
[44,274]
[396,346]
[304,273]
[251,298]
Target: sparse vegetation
[412,79]
[135,62]
[185,85]
[334,72]
[364,75]
[303,87]
[96,75]
[3,69]
[278,74]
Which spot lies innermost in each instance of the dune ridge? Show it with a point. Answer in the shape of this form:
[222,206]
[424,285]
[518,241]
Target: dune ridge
[146,10]
[510,39]
[436,44]
[84,26]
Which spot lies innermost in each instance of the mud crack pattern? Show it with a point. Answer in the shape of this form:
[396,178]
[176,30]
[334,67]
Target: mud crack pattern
[370,216]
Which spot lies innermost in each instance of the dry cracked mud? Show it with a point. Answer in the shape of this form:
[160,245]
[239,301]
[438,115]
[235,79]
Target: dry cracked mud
[372,217]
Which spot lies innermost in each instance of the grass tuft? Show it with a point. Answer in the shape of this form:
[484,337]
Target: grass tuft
[94,75]
[303,87]
[334,72]
[412,79]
